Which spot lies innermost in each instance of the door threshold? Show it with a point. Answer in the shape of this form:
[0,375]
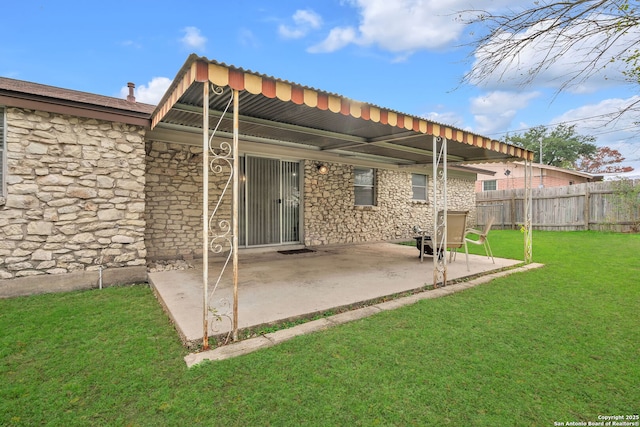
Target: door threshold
[269,249]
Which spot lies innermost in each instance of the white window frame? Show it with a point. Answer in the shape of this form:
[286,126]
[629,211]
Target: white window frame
[373,186]
[425,186]
[493,181]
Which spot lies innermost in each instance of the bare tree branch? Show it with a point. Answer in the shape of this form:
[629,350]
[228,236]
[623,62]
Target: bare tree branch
[596,32]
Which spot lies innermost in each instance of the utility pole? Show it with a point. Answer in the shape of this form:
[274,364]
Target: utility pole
[541,185]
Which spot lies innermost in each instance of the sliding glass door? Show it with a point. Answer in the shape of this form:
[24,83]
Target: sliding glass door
[269,201]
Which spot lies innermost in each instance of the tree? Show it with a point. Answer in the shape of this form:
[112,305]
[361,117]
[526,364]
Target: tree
[627,202]
[593,34]
[605,160]
[561,146]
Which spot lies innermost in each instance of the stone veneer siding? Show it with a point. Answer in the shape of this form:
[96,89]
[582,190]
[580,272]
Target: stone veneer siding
[174,200]
[331,216]
[75,195]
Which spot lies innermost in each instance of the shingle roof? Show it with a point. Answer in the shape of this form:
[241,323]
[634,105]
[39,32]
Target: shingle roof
[36,91]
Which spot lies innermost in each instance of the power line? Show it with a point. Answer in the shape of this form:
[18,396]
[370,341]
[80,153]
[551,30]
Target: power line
[551,124]
[570,121]
[615,130]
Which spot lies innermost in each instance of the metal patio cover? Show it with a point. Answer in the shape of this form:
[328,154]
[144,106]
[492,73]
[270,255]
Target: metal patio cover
[279,112]
[273,111]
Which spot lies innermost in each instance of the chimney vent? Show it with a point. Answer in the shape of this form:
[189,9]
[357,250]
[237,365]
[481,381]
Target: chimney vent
[131,97]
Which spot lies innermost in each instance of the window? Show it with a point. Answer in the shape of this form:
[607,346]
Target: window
[489,185]
[2,150]
[364,186]
[419,186]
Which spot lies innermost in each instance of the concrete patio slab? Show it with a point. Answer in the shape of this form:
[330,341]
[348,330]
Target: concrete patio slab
[273,287]
[268,340]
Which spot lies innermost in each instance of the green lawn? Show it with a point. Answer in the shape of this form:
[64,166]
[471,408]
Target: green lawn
[557,344]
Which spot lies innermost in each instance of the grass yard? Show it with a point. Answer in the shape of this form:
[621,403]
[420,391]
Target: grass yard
[557,344]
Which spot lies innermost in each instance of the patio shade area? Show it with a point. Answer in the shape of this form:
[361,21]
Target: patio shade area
[209,99]
[274,287]
[279,112]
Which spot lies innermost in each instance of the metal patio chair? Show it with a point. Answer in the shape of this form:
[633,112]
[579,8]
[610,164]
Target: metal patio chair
[481,240]
[456,226]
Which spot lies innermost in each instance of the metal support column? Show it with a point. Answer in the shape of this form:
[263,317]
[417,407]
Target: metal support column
[439,239]
[528,211]
[220,232]
[234,240]
[205,215]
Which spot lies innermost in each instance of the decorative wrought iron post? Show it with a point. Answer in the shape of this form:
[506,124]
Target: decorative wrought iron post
[528,209]
[439,239]
[234,243]
[205,215]
[219,233]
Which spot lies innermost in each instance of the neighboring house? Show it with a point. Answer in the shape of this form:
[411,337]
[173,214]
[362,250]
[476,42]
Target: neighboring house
[92,188]
[510,175]
[634,174]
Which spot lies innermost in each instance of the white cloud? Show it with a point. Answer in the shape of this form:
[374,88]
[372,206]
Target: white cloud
[603,114]
[406,26]
[131,43]
[305,21]
[150,93]
[494,111]
[450,118]
[193,39]
[337,39]
[307,17]
[610,128]
[291,33]
[246,37]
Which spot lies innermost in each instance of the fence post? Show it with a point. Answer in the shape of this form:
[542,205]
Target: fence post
[601,201]
[587,206]
[513,210]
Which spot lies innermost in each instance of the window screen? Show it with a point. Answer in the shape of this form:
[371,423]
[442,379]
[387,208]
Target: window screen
[489,185]
[364,186]
[419,186]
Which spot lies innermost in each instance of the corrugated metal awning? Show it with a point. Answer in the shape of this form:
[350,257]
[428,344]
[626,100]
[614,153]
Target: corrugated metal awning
[278,111]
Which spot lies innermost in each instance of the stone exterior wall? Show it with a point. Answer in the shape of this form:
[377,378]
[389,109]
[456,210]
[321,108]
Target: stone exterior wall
[75,195]
[331,216]
[174,200]
[85,195]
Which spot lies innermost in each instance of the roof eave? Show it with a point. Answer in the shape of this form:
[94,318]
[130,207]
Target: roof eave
[200,69]
[61,106]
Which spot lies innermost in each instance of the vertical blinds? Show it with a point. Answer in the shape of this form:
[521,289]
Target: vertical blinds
[263,201]
[269,193]
[290,201]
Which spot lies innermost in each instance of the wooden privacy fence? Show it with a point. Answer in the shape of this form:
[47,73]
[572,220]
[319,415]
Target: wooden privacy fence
[590,206]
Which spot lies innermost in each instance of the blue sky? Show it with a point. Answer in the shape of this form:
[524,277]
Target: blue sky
[407,55]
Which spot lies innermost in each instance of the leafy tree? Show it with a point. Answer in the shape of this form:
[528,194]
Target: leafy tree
[561,146]
[627,202]
[605,160]
[633,67]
